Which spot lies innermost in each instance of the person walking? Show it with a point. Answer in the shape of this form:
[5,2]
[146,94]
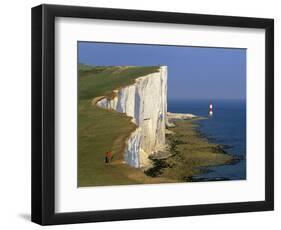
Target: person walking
[108,157]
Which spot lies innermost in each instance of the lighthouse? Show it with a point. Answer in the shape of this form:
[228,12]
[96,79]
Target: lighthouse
[211,109]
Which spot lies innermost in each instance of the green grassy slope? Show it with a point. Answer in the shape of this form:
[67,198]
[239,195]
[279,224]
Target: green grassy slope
[101,130]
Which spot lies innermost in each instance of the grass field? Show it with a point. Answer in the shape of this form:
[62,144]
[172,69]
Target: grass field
[100,130]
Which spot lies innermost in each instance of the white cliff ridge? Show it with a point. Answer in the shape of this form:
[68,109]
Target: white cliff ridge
[146,102]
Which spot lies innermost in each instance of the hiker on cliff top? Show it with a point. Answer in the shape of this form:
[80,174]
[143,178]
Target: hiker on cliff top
[108,157]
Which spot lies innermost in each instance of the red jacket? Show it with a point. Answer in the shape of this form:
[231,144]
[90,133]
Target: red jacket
[109,154]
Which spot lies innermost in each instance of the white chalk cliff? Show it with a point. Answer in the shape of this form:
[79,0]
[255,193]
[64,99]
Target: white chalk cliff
[146,102]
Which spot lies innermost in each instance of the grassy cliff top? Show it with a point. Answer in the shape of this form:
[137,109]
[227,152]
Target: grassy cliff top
[97,81]
[101,130]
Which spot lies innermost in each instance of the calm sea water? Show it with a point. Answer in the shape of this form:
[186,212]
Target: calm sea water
[227,127]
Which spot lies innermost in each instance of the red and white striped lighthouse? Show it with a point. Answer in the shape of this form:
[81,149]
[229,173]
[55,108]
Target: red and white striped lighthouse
[211,109]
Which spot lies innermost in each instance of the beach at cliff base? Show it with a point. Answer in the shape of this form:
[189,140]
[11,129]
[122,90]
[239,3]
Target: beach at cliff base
[190,152]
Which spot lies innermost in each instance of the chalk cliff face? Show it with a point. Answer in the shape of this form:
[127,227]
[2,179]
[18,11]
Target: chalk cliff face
[146,102]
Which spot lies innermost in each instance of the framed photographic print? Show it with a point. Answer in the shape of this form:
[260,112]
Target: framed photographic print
[142,114]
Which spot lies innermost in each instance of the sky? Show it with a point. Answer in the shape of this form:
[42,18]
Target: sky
[193,72]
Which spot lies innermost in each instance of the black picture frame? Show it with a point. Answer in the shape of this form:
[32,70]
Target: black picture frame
[43,114]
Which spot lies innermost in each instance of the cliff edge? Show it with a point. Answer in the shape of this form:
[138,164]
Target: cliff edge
[146,102]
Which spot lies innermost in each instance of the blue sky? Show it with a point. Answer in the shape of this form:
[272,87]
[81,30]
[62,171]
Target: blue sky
[193,72]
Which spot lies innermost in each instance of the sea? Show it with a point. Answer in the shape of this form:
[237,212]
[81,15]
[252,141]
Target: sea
[226,127]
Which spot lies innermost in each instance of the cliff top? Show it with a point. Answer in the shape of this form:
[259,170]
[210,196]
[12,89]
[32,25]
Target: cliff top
[97,81]
[100,130]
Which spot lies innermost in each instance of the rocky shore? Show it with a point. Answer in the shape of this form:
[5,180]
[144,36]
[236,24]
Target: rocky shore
[189,152]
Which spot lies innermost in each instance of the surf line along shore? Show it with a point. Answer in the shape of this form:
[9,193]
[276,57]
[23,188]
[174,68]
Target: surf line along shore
[188,153]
